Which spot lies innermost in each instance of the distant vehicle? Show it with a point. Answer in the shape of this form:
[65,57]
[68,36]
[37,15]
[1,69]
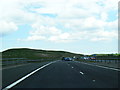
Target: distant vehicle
[67,59]
[93,58]
[85,58]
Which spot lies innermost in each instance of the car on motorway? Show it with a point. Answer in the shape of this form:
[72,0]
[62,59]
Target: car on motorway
[92,58]
[67,59]
[86,58]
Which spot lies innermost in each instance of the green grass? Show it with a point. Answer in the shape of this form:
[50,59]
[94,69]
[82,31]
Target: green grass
[36,54]
[43,55]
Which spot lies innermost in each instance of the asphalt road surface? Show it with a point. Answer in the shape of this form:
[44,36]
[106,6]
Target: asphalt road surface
[60,74]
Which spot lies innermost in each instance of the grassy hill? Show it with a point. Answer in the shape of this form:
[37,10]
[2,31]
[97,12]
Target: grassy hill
[17,56]
[36,54]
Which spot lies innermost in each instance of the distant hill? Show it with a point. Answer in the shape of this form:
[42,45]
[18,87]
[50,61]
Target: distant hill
[36,54]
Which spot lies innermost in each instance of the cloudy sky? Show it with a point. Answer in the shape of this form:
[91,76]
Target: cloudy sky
[81,26]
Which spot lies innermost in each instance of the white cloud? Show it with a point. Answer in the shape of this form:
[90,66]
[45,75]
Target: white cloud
[75,19]
[35,37]
[104,16]
[99,39]
[43,30]
[63,37]
[103,35]
[7,27]
[112,25]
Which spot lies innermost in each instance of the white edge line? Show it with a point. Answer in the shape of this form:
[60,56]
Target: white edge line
[100,66]
[18,81]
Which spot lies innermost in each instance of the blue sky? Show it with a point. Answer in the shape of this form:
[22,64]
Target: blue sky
[78,26]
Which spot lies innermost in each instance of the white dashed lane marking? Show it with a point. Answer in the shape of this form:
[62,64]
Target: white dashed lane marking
[81,73]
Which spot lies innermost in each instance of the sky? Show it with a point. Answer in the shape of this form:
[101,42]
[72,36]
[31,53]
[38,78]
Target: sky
[78,26]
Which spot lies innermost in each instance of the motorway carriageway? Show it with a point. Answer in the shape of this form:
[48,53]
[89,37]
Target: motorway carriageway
[59,74]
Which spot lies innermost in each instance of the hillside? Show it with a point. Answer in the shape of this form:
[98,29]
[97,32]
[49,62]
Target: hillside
[36,54]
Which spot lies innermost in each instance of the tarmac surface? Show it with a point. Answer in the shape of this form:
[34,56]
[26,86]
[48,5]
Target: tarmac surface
[60,74]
